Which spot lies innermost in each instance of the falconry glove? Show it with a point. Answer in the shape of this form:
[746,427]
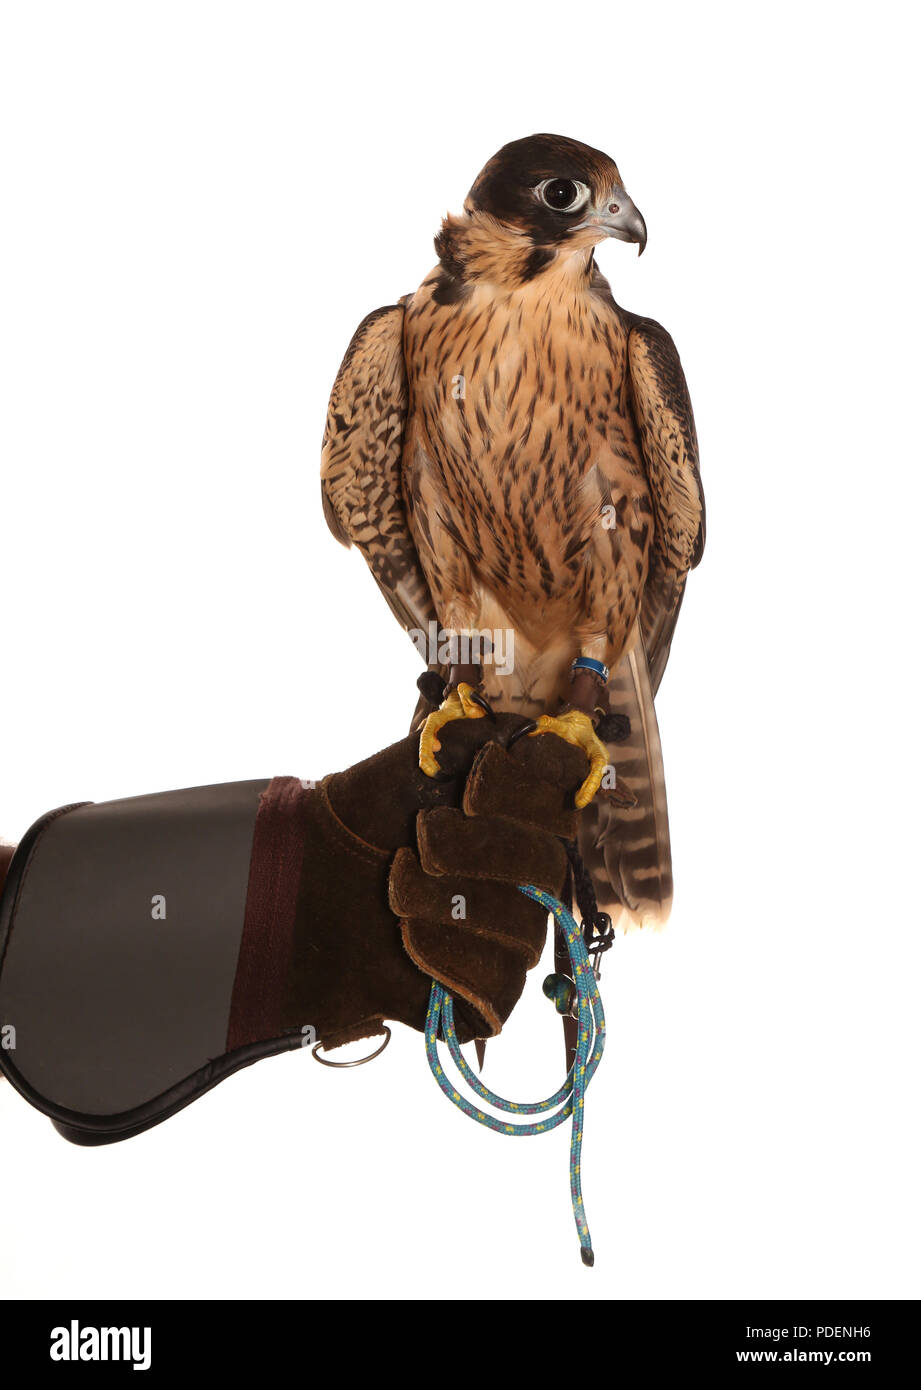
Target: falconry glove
[428,888]
[151,946]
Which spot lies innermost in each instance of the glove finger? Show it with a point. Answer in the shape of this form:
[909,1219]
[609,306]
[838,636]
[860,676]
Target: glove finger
[483,972]
[489,847]
[481,906]
[501,784]
[378,798]
[460,741]
[552,759]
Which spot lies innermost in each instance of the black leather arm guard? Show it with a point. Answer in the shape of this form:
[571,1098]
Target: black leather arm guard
[121,928]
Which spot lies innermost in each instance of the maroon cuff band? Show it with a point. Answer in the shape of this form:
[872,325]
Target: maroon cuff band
[271,903]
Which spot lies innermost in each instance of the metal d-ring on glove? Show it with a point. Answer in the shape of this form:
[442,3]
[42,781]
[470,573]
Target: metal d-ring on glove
[357,1061]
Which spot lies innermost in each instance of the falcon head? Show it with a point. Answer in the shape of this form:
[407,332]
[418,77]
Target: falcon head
[558,193]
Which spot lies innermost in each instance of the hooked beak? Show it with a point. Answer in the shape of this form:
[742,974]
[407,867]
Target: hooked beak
[621,218]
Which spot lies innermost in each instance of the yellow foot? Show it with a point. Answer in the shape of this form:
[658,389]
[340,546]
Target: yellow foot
[460,704]
[577,728]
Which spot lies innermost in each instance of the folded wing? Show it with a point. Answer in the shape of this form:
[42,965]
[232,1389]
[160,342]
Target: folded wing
[662,407]
[361,464]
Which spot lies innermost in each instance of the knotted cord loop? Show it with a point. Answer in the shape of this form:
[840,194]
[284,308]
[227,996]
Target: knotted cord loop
[570,1096]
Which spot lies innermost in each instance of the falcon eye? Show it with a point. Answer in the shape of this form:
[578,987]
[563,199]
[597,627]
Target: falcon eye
[563,195]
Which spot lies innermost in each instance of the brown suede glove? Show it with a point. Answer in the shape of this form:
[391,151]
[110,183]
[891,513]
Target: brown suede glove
[406,878]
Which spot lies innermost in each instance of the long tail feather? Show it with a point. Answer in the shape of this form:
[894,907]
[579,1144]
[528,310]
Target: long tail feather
[627,848]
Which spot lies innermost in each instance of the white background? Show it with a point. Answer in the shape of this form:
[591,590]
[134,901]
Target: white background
[201,201]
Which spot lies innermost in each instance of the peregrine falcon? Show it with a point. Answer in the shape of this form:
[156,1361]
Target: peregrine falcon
[511,451]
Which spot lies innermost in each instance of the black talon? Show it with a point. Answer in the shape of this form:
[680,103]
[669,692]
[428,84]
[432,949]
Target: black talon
[526,728]
[483,703]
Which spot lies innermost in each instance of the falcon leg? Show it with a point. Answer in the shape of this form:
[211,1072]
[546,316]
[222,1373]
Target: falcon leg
[461,702]
[576,726]
[462,699]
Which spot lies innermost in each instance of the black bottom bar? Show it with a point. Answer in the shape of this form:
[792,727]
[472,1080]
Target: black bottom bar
[238,1339]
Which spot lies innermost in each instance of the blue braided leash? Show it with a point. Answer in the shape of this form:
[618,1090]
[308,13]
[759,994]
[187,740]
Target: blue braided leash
[570,1096]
